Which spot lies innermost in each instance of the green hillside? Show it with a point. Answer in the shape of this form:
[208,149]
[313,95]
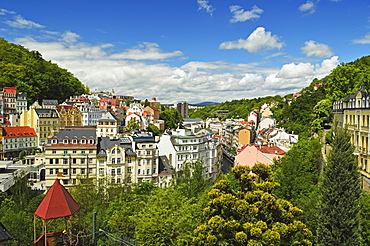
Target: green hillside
[30,73]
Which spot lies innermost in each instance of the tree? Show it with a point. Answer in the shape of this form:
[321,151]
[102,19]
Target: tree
[243,211]
[340,190]
[132,125]
[172,118]
[154,129]
[298,175]
[189,179]
[167,218]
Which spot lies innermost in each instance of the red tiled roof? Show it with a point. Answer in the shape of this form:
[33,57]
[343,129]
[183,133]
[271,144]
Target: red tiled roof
[19,131]
[271,150]
[10,89]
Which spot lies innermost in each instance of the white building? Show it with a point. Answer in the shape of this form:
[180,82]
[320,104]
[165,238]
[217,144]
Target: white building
[182,145]
[91,114]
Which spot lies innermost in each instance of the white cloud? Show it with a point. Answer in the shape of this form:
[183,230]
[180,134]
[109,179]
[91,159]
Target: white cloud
[146,51]
[292,71]
[240,15]
[70,37]
[309,7]
[293,77]
[203,4]
[314,49]
[20,22]
[195,81]
[259,39]
[364,40]
[4,12]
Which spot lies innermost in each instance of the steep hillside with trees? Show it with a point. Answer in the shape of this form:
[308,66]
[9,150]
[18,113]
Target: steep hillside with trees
[30,73]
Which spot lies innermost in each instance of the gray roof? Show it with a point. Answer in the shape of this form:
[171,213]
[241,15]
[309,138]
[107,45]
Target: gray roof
[164,166]
[109,117]
[105,143]
[49,102]
[79,132]
[47,113]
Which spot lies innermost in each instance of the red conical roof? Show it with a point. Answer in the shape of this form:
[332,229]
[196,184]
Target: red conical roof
[57,203]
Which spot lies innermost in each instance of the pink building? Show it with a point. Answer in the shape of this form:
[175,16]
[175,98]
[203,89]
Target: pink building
[252,154]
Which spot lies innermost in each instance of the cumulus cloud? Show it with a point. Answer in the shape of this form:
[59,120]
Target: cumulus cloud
[240,15]
[314,49]
[364,40]
[20,22]
[146,51]
[259,39]
[203,4]
[195,81]
[308,7]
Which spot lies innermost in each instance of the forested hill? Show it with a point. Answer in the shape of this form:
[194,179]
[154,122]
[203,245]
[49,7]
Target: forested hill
[312,110]
[30,73]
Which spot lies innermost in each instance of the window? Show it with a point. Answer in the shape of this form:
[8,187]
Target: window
[129,169]
[65,161]
[113,181]
[53,151]
[147,172]
[65,171]
[113,171]
[73,170]
[82,161]
[90,170]
[118,160]
[73,181]
[65,141]
[51,161]
[129,160]
[56,161]
[113,160]
[66,152]
[74,161]
[118,180]
[148,153]
[74,151]
[65,181]
[138,171]
[101,171]
[83,171]
[51,171]
[119,170]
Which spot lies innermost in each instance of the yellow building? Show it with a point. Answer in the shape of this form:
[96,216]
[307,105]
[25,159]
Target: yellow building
[69,115]
[354,113]
[44,121]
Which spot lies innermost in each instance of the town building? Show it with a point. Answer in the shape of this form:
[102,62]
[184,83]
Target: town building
[91,114]
[71,154]
[116,160]
[182,145]
[252,154]
[183,109]
[44,121]
[69,115]
[353,113]
[108,126]
[18,139]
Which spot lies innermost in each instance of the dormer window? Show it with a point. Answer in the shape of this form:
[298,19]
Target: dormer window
[74,141]
[54,141]
[65,141]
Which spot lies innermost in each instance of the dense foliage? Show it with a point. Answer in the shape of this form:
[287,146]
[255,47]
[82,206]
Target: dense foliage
[243,211]
[340,190]
[30,73]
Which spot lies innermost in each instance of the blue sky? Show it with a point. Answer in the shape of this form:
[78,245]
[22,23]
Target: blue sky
[192,50]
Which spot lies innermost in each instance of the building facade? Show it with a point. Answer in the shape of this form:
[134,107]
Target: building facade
[71,154]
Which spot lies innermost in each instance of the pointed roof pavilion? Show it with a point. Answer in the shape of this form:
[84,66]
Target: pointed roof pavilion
[56,203]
